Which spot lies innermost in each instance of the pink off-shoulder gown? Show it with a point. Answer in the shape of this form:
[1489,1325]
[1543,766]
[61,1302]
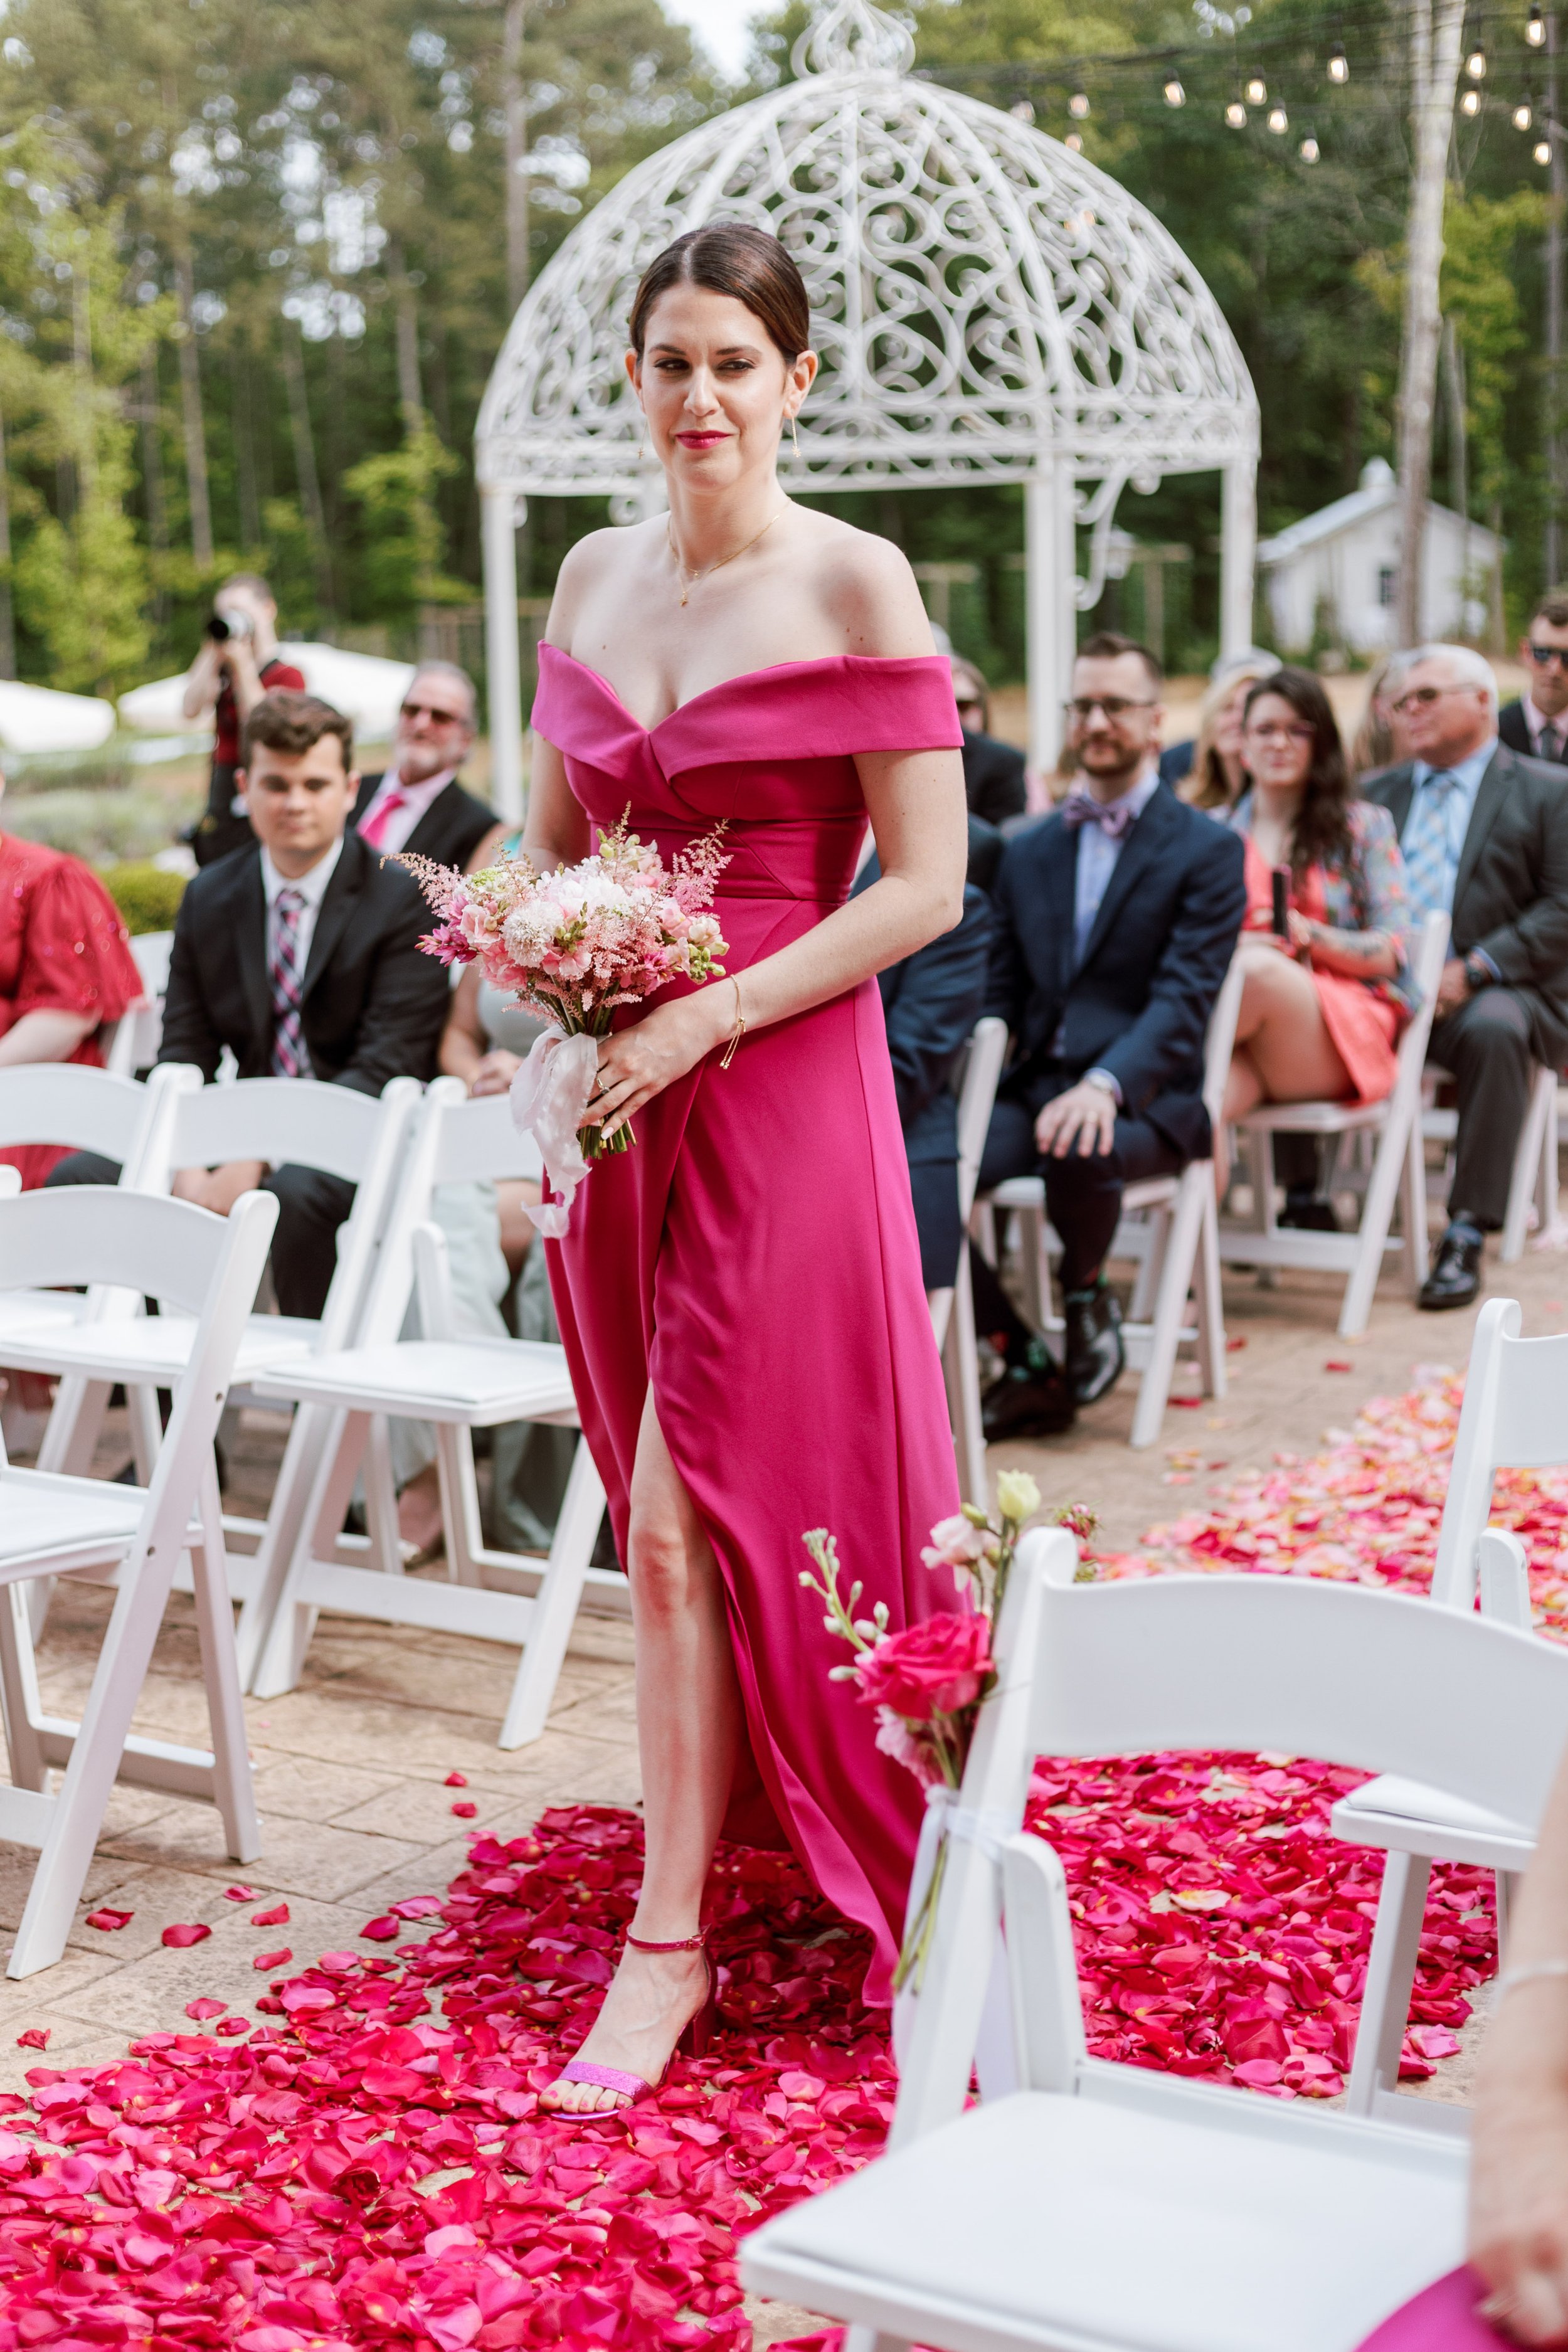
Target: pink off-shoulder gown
[754,1257]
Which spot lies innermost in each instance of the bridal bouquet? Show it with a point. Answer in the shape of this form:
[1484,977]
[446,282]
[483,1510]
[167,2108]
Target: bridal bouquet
[575,944]
[929,1682]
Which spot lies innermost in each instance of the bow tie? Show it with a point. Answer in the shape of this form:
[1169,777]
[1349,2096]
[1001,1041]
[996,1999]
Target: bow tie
[1082,808]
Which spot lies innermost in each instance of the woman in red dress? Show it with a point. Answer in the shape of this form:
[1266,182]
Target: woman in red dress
[66,969]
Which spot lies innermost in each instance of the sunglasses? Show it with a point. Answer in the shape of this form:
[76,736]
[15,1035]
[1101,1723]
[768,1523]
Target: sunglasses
[1081,710]
[437,718]
[1545,656]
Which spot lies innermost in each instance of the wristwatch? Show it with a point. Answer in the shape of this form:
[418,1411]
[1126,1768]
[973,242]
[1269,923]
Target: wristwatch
[1478,973]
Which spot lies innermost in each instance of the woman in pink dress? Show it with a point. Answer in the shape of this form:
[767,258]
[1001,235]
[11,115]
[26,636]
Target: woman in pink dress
[1321,1009]
[740,1295]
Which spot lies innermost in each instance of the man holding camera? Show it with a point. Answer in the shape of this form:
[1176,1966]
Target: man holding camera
[237,666]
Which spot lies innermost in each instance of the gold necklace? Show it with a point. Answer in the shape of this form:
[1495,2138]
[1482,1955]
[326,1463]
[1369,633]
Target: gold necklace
[689,584]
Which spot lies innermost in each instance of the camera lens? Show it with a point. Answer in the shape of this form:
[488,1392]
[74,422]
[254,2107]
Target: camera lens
[218,628]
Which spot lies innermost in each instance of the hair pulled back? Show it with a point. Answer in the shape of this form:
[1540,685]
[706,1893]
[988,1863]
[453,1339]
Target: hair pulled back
[1322,835]
[729,257]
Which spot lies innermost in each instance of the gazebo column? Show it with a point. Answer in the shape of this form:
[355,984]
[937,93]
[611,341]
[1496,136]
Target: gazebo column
[1051,622]
[497,525]
[1238,552]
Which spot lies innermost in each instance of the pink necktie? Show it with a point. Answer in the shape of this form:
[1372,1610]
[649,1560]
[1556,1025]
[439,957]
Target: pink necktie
[373,832]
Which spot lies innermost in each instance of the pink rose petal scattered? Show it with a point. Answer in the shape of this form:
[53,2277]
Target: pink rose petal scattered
[205,2008]
[277,1917]
[108,1921]
[417,1906]
[456,1780]
[271,1960]
[180,1937]
[384,1931]
[34,2037]
[465,1811]
[239,1894]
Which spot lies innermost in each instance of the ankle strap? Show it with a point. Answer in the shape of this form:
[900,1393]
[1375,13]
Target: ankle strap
[683,1944]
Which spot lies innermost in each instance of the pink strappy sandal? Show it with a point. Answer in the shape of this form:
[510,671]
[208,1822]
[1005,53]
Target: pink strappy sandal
[694,2038]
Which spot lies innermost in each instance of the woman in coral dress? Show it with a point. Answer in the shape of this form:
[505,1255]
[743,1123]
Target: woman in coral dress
[740,1295]
[1321,1009]
[67,971]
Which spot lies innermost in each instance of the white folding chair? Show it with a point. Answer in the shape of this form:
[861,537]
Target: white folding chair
[1169,1224]
[1256,2222]
[952,1310]
[1398,1165]
[1515,1414]
[1532,1180]
[458,1384]
[50,1526]
[139,1032]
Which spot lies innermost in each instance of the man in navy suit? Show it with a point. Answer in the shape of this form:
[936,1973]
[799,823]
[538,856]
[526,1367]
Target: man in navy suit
[1116,919]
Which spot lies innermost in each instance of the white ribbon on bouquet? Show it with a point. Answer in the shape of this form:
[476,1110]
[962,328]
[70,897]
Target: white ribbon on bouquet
[549,1096]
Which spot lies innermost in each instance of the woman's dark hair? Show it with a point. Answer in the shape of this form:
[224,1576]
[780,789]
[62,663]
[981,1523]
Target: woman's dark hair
[747,264]
[1322,828]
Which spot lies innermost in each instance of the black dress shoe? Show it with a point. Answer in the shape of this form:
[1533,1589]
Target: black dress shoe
[1307,1211]
[1027,1402]
[1455,1278]
[1095,1357]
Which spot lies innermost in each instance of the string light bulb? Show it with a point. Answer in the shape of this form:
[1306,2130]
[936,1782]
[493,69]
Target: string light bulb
[1257,91]
[1471,102]
[1236,115]
[1279,120]
[1308,150]
[1074,143]
[1535,28]
[1175,94]
[1521,118]
[1543,151]
[1338,64]
[1021,111]
[1077,105]
[1475,63]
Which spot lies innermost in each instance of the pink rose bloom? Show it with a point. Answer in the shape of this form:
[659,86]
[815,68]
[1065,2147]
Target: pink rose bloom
[931,1669]
[895,1738]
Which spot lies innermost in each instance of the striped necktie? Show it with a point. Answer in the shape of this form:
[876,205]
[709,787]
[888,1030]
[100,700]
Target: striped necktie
[1426,846]
[290,1057]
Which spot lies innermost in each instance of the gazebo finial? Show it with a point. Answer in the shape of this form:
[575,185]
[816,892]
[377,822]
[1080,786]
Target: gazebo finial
[852,37]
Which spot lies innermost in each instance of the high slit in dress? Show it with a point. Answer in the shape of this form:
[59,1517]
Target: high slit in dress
[754,1256]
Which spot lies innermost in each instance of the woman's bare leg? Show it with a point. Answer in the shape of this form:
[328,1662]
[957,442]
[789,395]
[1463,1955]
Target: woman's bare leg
[688,1730]
[1285,1038]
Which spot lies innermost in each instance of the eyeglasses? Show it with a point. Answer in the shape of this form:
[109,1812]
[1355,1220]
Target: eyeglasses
[1280,733]
[1422,698]
[438,718]
[1081,710]
[1543,656]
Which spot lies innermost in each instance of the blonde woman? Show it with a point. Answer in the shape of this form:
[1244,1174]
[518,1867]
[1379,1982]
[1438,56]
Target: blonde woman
[1218,776]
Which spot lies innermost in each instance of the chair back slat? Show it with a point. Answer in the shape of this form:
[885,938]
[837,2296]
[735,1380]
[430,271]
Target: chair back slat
[71,1104]
[983,1056]
[1374,1680]
[1219,1041]
[480,1142]
[99,1234]
[302,1120]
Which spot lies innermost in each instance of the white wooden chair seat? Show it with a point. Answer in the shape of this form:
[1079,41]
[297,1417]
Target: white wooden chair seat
[1238,2223]
[69,1522]
[156,1348]
[1407,1817]
[36,1311]
[478,1384]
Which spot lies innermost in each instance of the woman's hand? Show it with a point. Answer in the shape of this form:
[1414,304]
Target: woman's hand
[1518,2212]
[638,1062]
[495,1072]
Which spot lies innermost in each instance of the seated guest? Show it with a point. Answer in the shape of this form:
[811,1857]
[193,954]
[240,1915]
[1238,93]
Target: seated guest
[931,1001]
[993,778]
[1380,739]
[1217,776]
[1320,1009]
[1117,917]
[1485,838]
[301,955]
[1536,723]
[417,802]
[67,971]
[1177,761]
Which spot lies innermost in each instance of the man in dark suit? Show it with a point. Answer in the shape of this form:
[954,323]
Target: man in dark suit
[1537,722]
[931,1001]
[1484,834]
[417,802]
[1117,918]
[300,954]
[993,780]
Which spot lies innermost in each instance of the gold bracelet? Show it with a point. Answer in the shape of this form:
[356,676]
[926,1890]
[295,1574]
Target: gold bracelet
[737,1033]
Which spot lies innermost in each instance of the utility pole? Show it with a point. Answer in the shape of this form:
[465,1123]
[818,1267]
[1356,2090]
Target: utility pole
[1553,548]
[514,101]
[1436,34]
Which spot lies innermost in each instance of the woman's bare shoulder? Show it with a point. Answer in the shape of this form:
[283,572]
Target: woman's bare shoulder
[866,588]
[593,561]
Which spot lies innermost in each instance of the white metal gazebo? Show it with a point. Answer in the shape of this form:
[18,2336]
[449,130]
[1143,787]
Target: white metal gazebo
[988,306]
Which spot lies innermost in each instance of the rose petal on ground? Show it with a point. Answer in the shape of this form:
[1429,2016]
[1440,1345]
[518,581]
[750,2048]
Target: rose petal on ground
[384,1931]
[205,2008]
[456,1780]
[277,1917]
[465,1812]
[106,1921]
[33,2037]
[271,1960]
[185,1933]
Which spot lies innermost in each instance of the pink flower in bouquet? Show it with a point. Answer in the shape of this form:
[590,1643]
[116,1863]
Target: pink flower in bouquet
[935,1668]
[957,1543]
[895,1738]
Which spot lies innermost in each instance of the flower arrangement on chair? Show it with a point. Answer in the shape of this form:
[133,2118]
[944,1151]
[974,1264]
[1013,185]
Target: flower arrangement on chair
[929,1682]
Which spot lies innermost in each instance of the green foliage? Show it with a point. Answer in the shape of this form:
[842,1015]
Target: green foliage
[102,826]
[147,897]
[405,541]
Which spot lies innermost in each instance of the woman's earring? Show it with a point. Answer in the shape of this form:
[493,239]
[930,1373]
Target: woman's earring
[794,434]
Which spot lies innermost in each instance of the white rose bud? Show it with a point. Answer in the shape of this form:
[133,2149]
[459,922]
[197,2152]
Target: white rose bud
[1017,1496]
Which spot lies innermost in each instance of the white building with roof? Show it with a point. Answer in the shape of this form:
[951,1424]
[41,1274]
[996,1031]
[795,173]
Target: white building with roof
[1338,571]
